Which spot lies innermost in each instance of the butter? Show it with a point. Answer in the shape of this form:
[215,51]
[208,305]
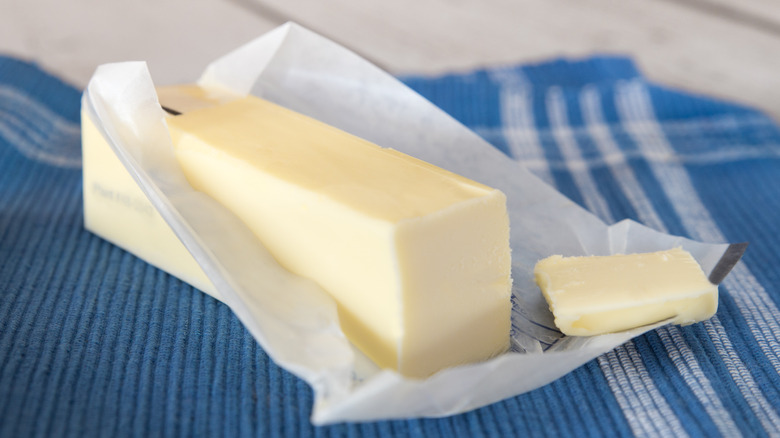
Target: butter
[417,258]
[602,294]
[117,210]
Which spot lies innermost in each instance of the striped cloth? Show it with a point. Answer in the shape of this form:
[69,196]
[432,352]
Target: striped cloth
[94,342]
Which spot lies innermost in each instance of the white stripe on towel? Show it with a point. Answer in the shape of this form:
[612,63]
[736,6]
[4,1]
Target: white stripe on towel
[679,351]
[648,413]
[38,132]
[638,117]
[518,123]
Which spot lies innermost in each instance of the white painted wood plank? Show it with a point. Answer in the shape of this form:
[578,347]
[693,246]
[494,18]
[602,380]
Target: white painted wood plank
[759,12]
[176,37]
[675,45]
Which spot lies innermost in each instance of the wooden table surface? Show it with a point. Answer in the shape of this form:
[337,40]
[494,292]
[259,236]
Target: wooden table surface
[720,48]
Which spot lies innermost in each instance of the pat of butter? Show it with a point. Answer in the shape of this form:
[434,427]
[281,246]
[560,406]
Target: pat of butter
[416,257]
[602,294]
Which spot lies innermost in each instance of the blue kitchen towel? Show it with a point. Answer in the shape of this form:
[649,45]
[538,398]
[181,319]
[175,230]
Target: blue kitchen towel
[95,342]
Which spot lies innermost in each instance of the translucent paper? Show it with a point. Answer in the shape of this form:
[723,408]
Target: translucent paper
[292,318]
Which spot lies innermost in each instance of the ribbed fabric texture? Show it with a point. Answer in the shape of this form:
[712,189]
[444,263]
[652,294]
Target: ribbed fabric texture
[94,342]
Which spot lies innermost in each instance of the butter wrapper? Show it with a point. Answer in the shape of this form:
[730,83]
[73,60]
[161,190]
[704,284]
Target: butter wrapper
[292,318]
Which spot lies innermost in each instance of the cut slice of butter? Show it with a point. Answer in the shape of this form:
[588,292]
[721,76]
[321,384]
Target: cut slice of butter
[602,294]
[416,257]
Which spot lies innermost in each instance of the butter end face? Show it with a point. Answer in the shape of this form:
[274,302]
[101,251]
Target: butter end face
[456,285]
[604,294]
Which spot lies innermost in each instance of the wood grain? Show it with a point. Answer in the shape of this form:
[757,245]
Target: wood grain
[677,44]
[716,47]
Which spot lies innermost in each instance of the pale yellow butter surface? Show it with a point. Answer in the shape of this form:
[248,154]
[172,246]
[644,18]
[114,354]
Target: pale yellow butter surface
[416,257]
[603,294]
[116,209]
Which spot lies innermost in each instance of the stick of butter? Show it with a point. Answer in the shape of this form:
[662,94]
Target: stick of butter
[603,294]
[417,258]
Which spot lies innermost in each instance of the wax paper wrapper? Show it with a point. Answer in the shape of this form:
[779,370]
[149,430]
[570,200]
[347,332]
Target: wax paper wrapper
[292,318]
